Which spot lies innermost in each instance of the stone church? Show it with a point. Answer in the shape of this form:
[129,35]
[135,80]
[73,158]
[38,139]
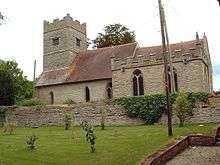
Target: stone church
[71,71]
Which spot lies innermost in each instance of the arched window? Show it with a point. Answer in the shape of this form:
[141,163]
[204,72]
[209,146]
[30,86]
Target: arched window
[51,98]
[138,83]
[109,90]
[175,80]
[87,94]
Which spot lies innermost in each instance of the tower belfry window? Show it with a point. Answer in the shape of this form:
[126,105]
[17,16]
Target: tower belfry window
[78,42]
[55,41]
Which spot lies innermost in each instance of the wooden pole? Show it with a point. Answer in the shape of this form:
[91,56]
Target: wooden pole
[168,107]
[169,55]
[34,79]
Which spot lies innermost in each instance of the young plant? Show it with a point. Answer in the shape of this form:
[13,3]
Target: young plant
[9,128]
[90,135]
[103,117]
[182,108]
[67,120]
[31,141]
[69,101]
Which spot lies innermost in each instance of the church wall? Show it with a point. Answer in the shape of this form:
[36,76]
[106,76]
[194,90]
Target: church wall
[75,91]
[191,77]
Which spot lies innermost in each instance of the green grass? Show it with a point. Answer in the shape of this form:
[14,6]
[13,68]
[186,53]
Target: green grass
[115,145]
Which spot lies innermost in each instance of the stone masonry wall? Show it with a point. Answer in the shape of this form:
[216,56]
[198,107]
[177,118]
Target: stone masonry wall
[191,77]
[115,115]
[201,115]
[54,115]
[75,92]
[67,30]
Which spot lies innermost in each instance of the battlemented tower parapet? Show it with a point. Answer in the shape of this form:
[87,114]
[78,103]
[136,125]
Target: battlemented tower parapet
[67,21]
[63,39]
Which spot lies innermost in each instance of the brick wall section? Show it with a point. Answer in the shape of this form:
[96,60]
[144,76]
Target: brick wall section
[161,157]
[75,92]
[54,115]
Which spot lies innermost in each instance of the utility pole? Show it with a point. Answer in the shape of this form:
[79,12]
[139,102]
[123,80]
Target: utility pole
[34,79]
[34,71]
[164,46]
[169,55]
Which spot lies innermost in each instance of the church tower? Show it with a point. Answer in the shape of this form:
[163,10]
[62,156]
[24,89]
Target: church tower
[63,39]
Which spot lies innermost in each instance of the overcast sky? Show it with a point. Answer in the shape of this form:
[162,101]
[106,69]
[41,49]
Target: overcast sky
[21,36]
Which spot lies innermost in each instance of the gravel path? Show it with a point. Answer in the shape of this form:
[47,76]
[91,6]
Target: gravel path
[197,156]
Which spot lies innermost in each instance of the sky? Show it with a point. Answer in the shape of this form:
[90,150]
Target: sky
[21,34]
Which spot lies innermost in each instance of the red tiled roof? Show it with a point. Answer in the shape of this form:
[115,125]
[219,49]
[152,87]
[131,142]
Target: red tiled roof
[88,65]
[96,64]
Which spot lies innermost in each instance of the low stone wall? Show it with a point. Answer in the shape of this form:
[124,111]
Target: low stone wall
[201,115]
[54,115]
[171,150]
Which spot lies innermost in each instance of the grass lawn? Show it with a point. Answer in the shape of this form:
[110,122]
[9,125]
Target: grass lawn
[115,145]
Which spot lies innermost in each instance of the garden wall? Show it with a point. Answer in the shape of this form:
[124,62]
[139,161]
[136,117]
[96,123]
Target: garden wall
[171,150]
[201,115]
[54,115]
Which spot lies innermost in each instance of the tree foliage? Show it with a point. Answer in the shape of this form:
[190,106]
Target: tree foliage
[23,88]
[115,34]
[182,108]
[7,90]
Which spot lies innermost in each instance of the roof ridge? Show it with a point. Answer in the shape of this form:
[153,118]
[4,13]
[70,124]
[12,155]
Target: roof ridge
[176,43]
[110,47]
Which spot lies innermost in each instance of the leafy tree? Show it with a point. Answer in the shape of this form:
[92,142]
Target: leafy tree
[116,34]
[7,90]
[182,107]
[23,88]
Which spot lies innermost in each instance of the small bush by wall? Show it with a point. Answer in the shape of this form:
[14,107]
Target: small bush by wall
[149,108]
[31,102]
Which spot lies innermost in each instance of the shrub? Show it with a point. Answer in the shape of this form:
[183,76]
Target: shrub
[149,108]
[31,141]
[69,101]
[31,102]
[67,120]
[90,135]
[182,108]
[9,128]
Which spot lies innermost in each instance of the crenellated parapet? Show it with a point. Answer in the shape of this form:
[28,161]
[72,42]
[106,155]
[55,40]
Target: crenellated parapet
[178,55]
[67,21]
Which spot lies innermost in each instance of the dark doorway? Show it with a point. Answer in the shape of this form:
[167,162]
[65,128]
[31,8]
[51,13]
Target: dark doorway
[109,90]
